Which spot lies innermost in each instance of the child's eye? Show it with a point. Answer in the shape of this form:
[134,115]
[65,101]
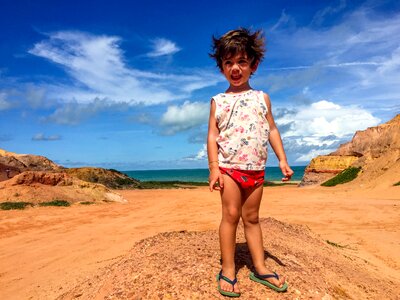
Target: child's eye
[243,62]
[227,63]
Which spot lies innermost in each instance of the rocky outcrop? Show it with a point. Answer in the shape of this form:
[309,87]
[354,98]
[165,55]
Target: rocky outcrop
[12,164]
[39,186]
[376,150]
[33,177]
[324,167]
[110,178]
[36,179]
[28,162]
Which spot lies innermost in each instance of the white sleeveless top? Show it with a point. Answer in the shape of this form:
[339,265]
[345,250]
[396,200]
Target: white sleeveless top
[244,130]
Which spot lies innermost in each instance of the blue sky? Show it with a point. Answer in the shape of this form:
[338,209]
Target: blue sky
[127,84]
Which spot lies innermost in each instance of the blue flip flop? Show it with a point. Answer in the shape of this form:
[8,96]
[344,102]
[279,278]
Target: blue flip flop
[262,279]
[232,282]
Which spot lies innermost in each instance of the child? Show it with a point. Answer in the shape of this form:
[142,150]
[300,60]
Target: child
[240,126]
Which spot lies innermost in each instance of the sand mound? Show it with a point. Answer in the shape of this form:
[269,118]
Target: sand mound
[183,265]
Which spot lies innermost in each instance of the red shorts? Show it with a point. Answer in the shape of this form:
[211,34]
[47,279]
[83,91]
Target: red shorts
[246,179]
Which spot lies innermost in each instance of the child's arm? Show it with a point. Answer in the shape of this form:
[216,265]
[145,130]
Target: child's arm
[276,142]
[212,150]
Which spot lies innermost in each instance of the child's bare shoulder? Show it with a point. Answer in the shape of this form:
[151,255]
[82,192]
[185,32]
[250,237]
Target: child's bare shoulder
[267,99]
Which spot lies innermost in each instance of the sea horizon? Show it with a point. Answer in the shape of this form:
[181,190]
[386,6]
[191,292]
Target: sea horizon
[201,174]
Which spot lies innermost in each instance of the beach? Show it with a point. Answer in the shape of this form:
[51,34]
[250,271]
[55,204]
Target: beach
[46,251]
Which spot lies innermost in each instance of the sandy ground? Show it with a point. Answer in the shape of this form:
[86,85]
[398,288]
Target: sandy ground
[44,252]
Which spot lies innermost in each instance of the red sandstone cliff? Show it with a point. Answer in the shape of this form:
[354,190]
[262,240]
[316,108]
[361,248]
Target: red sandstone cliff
[34,178]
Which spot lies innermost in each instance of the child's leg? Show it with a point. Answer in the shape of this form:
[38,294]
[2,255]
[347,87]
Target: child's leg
[231,212]
[252,229]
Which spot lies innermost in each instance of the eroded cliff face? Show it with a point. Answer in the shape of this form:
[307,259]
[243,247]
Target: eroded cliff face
[12,164]
[324,167]
[376,150]
[40,186]
[36,178]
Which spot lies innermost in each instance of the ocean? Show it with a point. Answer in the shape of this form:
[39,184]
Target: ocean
[201,175]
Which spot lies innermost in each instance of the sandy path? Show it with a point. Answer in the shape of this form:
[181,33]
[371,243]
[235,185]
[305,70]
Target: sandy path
[46,251]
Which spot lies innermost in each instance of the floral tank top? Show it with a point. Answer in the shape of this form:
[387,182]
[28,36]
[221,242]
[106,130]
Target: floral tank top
[244,130]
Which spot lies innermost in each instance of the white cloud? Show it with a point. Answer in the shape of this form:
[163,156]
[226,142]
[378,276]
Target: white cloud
[162,47]
[42,137]
[184,117]
[319,127]
[313,153]
[325,118]
[324,105]
[201,155]
[97,66]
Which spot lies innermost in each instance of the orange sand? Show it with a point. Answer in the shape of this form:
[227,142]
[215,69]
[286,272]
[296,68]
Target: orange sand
[46,251]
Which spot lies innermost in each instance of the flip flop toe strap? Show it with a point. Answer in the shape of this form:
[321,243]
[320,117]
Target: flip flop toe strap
[274,275]
[232,282]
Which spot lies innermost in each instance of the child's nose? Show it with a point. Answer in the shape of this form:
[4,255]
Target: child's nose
[235,67]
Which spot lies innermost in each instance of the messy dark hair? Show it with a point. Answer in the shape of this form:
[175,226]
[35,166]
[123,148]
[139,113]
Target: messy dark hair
[241,40]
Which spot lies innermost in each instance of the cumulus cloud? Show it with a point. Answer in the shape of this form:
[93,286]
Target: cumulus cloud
[42,137]
[162,47]
[184,117]
[308,156]
[201,154]
[97,67]
[320,127]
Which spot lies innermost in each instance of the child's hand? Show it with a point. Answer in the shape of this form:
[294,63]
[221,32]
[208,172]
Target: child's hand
[286,170]
[215,180]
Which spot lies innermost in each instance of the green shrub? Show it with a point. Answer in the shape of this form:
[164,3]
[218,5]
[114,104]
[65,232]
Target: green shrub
[335,244]
[87,202]
[345,176]
[124,181]
[55,203]
[14,205]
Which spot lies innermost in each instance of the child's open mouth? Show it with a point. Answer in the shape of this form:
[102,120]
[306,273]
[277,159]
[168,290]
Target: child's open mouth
[236,77]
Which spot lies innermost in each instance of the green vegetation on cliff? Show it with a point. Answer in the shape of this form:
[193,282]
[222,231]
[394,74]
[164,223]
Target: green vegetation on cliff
[14,205]
[55,203]
[345,176]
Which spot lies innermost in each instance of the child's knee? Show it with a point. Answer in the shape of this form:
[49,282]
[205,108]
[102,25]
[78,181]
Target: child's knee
[231,215]
[250,219]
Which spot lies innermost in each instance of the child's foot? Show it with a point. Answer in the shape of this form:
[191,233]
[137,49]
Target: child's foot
[270,279]
[227,286]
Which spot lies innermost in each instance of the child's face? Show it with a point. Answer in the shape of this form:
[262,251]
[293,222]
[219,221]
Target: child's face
[237,69]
